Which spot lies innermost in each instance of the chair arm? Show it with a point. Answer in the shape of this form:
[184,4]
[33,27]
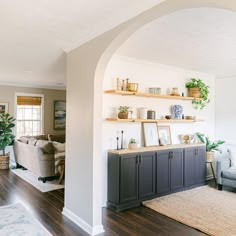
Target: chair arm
[221,165]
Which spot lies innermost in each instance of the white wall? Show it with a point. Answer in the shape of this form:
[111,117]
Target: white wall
[149,74]
[225,109]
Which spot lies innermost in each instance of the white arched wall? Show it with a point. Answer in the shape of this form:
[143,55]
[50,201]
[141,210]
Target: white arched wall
[85,72]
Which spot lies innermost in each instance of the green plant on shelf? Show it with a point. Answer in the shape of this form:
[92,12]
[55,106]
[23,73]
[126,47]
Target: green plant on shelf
[132,140]
[124,109]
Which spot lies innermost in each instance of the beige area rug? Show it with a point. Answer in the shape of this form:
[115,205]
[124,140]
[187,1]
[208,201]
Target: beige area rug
[32,179]
[206,209]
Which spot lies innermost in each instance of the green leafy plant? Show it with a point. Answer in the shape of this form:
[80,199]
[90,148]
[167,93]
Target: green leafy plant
[123,109]
[204,90]
[132,140]
[210,146]
[6,125]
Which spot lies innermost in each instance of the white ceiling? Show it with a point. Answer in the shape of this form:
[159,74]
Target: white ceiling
[34,34]
[198,39]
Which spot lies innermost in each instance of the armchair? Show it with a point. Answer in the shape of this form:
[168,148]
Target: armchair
[226,174]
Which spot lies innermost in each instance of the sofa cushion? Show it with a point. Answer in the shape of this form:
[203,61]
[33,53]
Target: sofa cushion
[232,152]
[46,146]
[41,136]
[23,140]
[229,173]
[57,137]
[59,156]
[59,147]
[32,141]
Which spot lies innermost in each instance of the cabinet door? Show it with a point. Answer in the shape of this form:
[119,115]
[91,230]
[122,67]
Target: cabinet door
[189,166]
[147,174]
[176,169]
[128,178]
[163,172]
[201,165]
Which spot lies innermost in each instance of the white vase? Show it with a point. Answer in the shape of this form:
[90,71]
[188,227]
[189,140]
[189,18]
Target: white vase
[132,146]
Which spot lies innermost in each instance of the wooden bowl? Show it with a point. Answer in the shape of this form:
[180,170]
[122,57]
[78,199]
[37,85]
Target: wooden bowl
[190,117]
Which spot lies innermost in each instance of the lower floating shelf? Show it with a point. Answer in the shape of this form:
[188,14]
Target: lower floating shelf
[157,120]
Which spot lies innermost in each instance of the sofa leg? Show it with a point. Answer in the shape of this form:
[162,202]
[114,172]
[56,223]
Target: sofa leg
[43,179]
[220,186]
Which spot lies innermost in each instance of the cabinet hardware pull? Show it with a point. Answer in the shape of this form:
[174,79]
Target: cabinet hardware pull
[137,159]
[170,154]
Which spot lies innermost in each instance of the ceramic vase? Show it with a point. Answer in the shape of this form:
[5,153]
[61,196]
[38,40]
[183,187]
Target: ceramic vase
[176,111]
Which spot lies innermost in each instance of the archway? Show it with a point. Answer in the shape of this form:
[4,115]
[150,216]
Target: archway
[85,72]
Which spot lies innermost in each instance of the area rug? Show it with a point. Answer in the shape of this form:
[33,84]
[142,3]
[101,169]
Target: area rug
[33,180]
[15,220]
[209,210]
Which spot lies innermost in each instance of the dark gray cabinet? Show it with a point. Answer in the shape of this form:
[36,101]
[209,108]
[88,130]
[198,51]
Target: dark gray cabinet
[169,169]
[135,177]
[194,166]
[133,182]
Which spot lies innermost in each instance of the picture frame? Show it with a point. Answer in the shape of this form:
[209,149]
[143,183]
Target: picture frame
[150,133]
[3,107]
[59,115]
[165,134]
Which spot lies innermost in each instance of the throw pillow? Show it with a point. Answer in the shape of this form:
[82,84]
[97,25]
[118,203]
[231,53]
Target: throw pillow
[46,146]
[57,138]
[232,152]
[32,141]
[59,147]
[23,139]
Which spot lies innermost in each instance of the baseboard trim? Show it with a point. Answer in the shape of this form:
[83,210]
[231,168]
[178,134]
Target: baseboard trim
[91,230]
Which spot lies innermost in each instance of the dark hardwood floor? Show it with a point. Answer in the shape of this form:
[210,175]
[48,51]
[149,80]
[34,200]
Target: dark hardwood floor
[47,207]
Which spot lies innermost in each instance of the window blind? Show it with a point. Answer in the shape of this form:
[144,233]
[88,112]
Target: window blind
[29,100]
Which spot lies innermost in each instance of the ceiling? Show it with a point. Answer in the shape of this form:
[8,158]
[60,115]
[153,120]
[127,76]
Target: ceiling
[199,39]
[35,34]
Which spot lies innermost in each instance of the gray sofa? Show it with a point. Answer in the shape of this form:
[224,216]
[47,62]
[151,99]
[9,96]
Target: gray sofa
[226,174]
[37,154]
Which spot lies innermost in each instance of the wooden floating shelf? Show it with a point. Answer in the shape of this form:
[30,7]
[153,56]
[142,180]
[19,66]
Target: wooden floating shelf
[157,120]
[139,94]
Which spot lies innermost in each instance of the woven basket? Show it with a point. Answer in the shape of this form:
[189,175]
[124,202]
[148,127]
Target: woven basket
[4,162]
[194,92]
[210,156]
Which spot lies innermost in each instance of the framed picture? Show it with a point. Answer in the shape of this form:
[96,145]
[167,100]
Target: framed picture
[150,132]
[164,134]
[3,107]
[59,115]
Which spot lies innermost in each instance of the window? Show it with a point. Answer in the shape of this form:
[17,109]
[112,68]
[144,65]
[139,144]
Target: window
[28,115]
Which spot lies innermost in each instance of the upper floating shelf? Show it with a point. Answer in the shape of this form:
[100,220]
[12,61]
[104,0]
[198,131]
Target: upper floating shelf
[139,94]
[157,120]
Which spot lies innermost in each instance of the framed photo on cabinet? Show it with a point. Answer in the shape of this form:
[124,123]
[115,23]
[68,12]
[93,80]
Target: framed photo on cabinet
[150,133]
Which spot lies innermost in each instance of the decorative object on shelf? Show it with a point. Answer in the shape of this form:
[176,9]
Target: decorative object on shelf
[154,90]
[151,114]
[127,84]
[7,123]
[175,92]
[150,131]
[151,90]
[186,138]
[176,111]
[123,88]
[123,114]
[164,135]
[133,87]
[132,144]
[118,87]
[59,115]
[142,113]
[210,146]
[117,143]
[168,117]
[122,140]
[198,89]
[190,117]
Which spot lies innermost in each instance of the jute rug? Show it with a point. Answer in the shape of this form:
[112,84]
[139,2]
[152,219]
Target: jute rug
[32,179]
[15,220]
[206,209]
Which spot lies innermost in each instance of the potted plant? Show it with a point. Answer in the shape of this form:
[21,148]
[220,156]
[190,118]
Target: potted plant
[132,143]
[198,89]
[210,146]
[123,114]
[6,138]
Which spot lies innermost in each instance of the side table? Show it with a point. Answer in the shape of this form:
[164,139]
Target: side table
[212,170]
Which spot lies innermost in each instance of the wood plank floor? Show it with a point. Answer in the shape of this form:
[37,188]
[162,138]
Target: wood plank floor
[47,207]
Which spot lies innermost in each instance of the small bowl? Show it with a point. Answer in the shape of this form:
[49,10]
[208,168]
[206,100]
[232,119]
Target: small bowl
[168,117]
[190,117]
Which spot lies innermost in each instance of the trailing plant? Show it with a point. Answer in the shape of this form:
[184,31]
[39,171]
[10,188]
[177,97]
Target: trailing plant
[6,135]
[132,140]
[204,90]
[210,146]
[123,109]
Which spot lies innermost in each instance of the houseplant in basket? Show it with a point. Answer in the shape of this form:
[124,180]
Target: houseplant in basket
[6,137]
[123,114]
[198,89]
[210,146]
